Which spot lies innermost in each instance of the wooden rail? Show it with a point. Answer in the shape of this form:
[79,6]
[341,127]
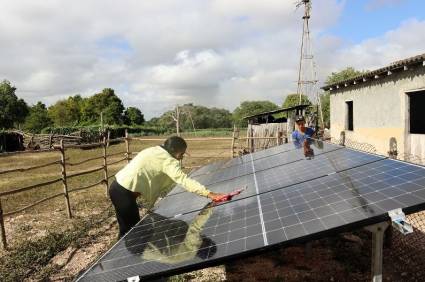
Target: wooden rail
[85,172]
[63,163]
[64,176]
[115,162]
[85,161]
[29,168]
[33,204]
[117,154]
[85,146]
[87,186]
[7,154]
[29,187]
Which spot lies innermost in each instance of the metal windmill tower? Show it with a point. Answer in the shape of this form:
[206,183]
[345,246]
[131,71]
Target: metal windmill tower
[307,75]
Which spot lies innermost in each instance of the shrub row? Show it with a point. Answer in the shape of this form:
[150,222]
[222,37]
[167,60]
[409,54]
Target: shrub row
[94,133]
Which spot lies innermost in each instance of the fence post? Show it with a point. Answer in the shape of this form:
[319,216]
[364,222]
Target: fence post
[250,140]
[392,153]
[280,137]
[127,146]
[109,137]
[233,142]
[342,138]
[247,138]
[64,183]
[50,141]
[277,138]
[3,230]
[30,145]
[105,167]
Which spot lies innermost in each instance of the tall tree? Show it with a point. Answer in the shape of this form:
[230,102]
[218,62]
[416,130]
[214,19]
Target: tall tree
[106,103]
[191,116]
[203,117]
[220,118]
[325,99]
[335,77]
[342,75]
[75,108]
[13,110]
[294,100]
[67,112]
[248,108]
[58,113]
[133,116]
[38,118]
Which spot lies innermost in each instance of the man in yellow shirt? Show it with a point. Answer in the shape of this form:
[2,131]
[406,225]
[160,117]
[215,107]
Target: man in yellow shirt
[151,173]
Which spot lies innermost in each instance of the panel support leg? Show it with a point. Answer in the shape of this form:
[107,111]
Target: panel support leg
[378,231]
[133,279]
[308,249]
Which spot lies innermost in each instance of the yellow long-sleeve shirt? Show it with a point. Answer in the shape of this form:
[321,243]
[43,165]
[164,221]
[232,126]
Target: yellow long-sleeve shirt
[154,171]
[176,252]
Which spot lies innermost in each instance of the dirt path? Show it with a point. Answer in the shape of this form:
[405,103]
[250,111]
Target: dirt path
[72,261]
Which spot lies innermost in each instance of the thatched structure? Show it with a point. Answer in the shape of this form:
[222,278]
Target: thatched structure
[11,141]
[16,140]
[270,128]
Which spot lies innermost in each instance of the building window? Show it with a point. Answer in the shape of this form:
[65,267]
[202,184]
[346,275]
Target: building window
[349,116]
[416,112]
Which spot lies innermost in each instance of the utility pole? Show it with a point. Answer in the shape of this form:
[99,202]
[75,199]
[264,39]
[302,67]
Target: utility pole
[307,75]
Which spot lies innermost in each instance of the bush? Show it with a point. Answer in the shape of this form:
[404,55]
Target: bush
[92,134]
[209,132]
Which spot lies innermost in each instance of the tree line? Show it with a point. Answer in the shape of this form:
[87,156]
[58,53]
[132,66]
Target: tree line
[73,111]
[107,107]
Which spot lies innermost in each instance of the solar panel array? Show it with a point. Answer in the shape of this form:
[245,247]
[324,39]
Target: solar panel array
[287,198]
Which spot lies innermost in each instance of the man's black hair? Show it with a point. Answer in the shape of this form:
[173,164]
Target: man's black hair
[174,144]
[207,249]
[299,118]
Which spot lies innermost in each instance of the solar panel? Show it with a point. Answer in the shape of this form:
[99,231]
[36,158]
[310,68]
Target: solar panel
[208,171]
[288,199]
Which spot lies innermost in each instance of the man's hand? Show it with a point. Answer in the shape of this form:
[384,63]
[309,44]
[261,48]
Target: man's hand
[216,197]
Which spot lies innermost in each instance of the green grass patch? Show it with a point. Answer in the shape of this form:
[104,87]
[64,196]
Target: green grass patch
[218,132]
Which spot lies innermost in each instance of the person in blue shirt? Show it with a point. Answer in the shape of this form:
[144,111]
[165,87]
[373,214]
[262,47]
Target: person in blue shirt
[301,137]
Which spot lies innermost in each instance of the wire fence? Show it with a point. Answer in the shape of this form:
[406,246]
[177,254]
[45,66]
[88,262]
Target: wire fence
[407,250]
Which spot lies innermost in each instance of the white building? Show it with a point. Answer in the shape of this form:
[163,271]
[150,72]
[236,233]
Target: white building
[383,106]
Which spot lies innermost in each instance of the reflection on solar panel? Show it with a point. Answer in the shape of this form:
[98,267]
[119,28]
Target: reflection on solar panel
[288,198]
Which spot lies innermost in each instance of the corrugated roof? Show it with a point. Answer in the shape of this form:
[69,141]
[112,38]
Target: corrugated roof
[377,74]
[278,111]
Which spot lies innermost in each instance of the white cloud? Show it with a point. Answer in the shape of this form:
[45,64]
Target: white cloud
[159,53]
[405,41]
[378,4]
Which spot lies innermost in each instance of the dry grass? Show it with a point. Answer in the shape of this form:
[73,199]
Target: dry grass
[43,224]
[51,215]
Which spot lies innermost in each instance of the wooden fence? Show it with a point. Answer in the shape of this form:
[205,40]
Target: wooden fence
[63,163]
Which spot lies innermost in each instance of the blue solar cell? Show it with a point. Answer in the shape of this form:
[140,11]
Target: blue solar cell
[288,199]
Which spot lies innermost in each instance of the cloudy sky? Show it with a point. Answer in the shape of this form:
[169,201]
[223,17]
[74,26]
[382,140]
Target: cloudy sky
[157,54]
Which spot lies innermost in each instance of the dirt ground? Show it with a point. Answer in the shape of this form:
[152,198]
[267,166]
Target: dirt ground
[344,257]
